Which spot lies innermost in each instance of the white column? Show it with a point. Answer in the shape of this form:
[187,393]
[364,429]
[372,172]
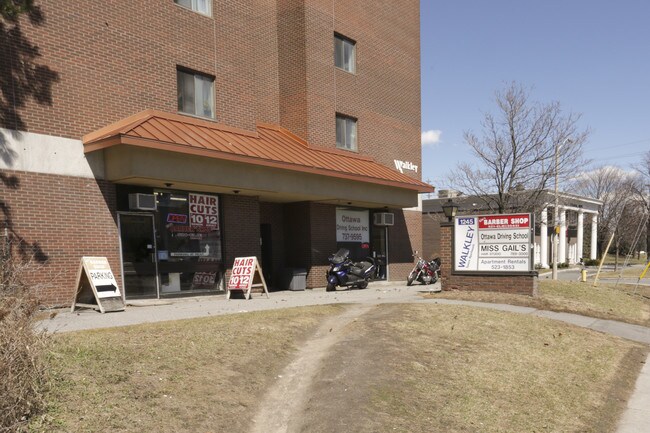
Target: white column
[581,228]
[594,237]
[543,239]
[561,254]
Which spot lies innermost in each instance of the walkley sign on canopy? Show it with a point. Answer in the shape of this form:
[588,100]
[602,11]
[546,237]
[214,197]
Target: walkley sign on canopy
[493,243]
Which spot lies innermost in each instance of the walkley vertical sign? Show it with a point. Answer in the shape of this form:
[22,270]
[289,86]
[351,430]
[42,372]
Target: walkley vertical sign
[493,243]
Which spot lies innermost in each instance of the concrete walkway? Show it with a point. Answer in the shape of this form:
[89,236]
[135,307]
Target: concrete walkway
[636,418]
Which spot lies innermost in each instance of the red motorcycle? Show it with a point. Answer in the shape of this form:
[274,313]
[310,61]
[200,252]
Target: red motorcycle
[424,272]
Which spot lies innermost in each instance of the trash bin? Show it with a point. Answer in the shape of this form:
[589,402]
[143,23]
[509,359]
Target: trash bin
[298,279]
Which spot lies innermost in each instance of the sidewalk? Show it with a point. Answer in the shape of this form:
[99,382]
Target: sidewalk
[636,418]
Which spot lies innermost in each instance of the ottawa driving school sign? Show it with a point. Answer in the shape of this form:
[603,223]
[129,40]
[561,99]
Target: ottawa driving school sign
[493,243]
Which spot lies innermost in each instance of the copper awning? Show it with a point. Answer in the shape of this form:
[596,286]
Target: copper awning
[270,146]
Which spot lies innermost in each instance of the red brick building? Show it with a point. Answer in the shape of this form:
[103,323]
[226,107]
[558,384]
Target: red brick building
[172,136]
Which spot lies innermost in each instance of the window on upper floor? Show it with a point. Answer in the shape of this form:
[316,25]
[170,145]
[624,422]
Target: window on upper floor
[344,53]
[200,6]
[346,132]
[195,94]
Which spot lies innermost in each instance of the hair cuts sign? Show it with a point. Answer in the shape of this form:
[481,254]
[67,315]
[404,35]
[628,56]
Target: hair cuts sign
[493,243]
[352,226]
[204,211]
[246,273]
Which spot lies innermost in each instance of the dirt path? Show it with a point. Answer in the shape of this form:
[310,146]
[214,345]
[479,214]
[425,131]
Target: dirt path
[285,400]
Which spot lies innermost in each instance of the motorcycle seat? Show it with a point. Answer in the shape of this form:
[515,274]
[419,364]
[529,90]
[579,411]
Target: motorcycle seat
[363,266]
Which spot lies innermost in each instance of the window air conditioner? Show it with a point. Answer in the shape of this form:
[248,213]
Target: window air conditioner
[384,219]
[142,201]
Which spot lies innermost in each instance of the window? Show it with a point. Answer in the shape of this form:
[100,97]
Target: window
[344,53]
[346,132]
[195,94]
[200,6]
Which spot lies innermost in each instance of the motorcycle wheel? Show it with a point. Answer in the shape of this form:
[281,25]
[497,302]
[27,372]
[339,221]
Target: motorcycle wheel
[363,284]
[410,278]
[330,287]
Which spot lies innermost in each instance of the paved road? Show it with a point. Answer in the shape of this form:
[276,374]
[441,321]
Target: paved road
[635,420]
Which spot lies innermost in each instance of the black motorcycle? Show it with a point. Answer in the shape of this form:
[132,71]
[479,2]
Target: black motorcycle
[344,272]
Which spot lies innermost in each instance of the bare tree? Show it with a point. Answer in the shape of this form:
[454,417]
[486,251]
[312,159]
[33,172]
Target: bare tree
[616,189]
[517,151]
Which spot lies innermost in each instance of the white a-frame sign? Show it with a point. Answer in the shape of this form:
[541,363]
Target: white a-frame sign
[96,286]
[246,274]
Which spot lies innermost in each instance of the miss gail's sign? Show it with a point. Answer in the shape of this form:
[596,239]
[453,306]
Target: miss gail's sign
[493,243]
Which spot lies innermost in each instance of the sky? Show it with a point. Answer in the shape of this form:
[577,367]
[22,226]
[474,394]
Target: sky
[592,56]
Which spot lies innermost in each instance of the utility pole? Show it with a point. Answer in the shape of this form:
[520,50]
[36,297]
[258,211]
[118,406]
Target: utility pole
[556,226]
[555,217]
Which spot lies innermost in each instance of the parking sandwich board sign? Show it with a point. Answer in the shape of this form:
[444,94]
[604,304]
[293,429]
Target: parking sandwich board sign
[96,286]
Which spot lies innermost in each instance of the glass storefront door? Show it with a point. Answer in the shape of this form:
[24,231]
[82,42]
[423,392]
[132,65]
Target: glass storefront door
[189,242]
[138,247]
[172,248]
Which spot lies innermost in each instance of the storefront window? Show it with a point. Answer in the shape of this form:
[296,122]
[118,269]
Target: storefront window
[188,241]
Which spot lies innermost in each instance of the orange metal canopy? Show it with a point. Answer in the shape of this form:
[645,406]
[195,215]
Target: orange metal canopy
[271,146]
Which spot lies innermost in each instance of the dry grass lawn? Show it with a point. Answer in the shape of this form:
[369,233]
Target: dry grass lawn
[407,368]
[201,375]
[460,369]
[606,301]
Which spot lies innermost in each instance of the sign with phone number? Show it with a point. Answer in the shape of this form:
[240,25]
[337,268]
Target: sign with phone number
[352,226]
[500,243]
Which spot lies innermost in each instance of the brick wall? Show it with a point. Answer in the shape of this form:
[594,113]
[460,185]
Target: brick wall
[67,218]
[517,284]
[113,59]
[431,235]
[272,214]
[383,93]
[403,238]
[322,223]
[272,60]
[241,228]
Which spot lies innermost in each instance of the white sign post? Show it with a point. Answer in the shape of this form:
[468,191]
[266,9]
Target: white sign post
[493,243]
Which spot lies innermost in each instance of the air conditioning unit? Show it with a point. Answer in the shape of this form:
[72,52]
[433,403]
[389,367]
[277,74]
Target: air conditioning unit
[142,201]
[384,219]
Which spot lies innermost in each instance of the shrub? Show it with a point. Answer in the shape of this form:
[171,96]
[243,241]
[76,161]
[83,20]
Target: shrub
[22,346]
